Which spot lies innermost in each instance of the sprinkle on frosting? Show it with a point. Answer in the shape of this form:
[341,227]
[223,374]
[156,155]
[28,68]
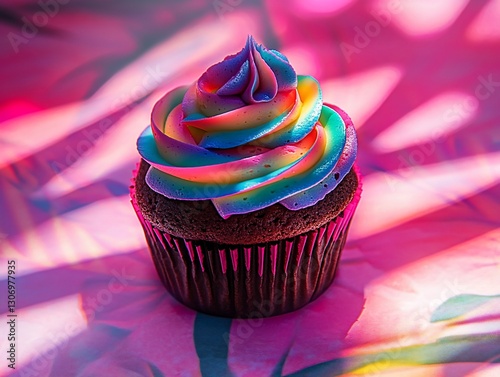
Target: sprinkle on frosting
[248,134]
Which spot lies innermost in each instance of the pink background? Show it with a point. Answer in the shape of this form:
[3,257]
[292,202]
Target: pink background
[418,289]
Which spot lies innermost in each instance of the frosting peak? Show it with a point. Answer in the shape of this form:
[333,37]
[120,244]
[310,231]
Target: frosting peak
[247,134]
[253,75]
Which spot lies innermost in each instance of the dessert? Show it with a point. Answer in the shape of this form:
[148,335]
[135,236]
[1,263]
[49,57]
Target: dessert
[246,187]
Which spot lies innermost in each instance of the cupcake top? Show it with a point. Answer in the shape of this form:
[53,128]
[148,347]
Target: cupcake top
[247,134]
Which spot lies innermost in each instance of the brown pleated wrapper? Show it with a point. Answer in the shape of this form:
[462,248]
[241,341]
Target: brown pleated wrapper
[249,281]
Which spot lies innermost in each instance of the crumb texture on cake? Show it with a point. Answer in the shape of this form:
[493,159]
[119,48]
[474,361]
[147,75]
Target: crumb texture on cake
[199,220]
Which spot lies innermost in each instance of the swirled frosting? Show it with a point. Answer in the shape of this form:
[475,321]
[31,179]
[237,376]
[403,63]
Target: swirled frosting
[247,134]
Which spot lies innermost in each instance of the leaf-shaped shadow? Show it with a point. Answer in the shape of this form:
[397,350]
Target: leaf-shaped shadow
[211,339]
[459,305]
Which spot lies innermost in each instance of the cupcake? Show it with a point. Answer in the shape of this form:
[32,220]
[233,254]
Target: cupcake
[246,187]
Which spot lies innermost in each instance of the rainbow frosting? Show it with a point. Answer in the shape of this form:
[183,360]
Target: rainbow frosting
[248,134]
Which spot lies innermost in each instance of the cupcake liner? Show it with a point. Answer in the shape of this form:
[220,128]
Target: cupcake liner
[249,281]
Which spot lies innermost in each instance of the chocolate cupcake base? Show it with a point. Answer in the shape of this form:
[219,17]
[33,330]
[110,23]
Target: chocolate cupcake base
[249,281]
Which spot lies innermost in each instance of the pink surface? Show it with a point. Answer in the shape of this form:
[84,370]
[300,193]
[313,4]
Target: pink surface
[417,293]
